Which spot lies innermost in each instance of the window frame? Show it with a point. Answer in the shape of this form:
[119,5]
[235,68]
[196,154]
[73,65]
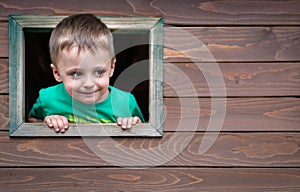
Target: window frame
[17,124]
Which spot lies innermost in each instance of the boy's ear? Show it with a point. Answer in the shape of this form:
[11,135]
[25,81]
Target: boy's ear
[112,67]
[55,73]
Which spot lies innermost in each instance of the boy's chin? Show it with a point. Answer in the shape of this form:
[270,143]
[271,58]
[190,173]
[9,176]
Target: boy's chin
[91,98]
[89,102]
[86,100]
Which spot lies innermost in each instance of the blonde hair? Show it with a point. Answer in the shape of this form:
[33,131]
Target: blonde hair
[83,30]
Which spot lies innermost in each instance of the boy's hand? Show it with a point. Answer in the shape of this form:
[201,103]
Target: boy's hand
[57,122]
[128,122]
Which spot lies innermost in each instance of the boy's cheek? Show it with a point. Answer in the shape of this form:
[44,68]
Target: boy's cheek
[70,87]
[69,91]
[71,84]
[103,82]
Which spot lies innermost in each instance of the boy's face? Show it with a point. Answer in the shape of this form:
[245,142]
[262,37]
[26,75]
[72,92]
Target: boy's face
[85,74]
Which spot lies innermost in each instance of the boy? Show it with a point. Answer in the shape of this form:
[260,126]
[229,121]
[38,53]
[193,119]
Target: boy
[83,60]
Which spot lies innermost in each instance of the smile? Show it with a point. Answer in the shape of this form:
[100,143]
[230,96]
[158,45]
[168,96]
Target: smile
[89,93]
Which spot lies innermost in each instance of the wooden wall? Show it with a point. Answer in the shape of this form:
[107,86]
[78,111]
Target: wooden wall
[257,47]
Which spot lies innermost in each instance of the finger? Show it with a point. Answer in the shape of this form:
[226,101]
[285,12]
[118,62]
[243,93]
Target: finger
[55,123]
[119,121]
[65,122]
[124,123]
[60,124]
[136,120]
[129,123]
[48,122]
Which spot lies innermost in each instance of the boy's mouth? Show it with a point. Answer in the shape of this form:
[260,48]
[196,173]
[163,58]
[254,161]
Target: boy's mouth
[89,93]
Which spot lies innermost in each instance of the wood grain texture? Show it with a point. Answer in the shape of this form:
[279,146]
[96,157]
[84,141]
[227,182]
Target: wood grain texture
[229,44]
[3,39]
[239,79]
[242,114]
[4,112]
[155,179]
[191,12]
[4,76]
[256,45]
[174,149]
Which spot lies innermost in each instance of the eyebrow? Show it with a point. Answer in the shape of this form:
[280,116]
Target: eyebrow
[73,68]
[100,68]
[69,71]
[80,69]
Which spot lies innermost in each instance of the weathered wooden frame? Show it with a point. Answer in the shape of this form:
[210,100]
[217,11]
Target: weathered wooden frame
[17,124]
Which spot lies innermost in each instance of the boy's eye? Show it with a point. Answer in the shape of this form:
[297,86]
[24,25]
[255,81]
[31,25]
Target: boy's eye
[76,74]
[99,72]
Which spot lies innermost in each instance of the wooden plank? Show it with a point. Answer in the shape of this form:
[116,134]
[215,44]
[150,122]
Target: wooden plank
[230,44]
[239,79]
[87,130]
[154,179]
[191,12]
[242,114]
[222,44]
[4,76]
[3,39]
[4,112]
[174,149]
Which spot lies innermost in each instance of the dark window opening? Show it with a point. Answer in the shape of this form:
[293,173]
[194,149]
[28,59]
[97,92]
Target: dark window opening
[38,73]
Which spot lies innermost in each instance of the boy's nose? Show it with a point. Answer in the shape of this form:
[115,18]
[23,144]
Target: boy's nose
[88,82]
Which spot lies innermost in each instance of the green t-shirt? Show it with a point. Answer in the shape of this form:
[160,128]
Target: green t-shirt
[55,100]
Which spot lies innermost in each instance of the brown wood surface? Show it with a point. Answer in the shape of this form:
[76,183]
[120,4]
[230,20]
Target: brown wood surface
[3,39]
[154,179]
[241,79]
[242,114]
[174,149]
[190,12]
[238,44]
[231,44]
[4,112]
[4,76]
[256,45]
